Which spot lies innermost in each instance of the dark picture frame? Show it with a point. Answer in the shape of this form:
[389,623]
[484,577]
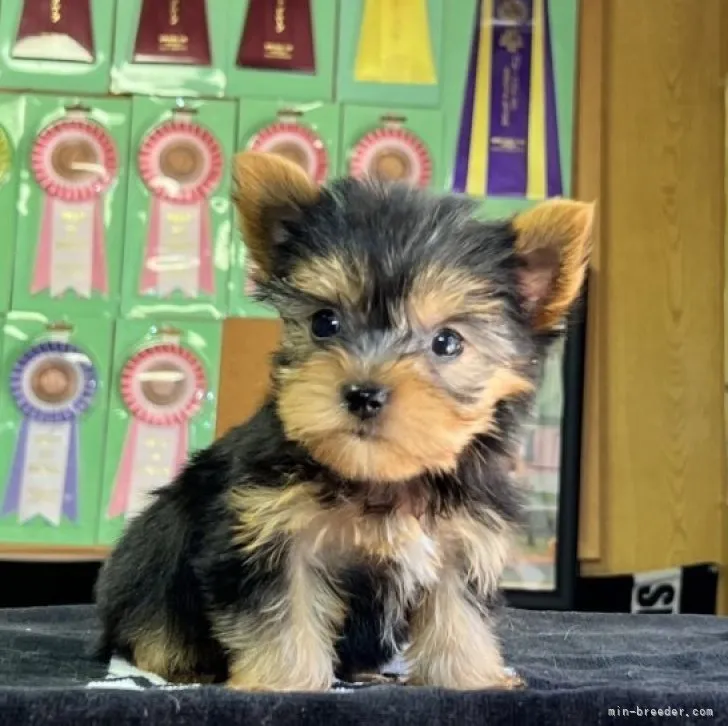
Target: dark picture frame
[562,596]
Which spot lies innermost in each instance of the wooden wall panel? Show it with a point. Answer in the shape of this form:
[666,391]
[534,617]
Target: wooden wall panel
[588,163]
[661,367]
[244,370]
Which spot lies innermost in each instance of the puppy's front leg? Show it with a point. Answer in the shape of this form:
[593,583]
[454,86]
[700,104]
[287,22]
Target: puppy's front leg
[286,643]
[452,642]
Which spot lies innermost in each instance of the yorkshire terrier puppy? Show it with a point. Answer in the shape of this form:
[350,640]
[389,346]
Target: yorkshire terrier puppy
[367,507]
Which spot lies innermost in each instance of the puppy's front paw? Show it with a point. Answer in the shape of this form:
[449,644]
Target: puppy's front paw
[511,681]
[508,681]
[250,682]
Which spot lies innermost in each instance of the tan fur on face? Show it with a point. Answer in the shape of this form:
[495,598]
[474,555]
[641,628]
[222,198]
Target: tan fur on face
[332,279]
[554,240]
[439,294]
[267,187]
[422,428]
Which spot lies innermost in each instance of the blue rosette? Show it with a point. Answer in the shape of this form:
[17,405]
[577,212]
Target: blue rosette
[52,384]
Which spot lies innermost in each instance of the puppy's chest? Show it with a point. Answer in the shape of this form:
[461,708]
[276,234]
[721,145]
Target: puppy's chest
[398,541]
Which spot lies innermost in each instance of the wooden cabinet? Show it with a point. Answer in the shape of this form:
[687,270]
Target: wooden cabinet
[650,147]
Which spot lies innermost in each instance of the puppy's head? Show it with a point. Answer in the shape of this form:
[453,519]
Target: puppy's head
[406,320]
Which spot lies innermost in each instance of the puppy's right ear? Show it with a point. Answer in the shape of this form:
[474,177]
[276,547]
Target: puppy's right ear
[269,190]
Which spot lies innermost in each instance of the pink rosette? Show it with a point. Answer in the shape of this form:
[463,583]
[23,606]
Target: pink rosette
[74,162]
[392,154]
[162,387]
[181,164]
[298,144]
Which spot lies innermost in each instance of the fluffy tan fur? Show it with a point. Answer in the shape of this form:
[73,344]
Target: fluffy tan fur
[452,642]
[267,187]
[554,240]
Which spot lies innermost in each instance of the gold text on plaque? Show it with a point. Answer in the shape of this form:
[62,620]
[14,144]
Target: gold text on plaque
[173,42]
[278,51]
[280,16]
[174,11]
[56,11]
[179,217]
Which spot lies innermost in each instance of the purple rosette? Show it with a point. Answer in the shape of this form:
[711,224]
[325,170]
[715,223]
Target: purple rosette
[52,384]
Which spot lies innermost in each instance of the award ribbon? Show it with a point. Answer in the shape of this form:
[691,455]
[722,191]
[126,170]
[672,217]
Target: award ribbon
[74,162]
[173,31]
[392,153]
[162,387]
[181,163]
[52,384]
[278,36]
[509,143]
[297,143]
[55,30]
[395,44]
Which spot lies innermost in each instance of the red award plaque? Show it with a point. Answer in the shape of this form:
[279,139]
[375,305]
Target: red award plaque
[173,31]
[55,30]
[278,35]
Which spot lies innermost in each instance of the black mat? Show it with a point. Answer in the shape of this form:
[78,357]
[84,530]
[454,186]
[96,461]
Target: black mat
[582,669]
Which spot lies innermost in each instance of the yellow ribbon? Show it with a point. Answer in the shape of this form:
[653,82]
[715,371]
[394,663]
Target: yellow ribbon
[536,184]
[395,44]
[478,156]
[6,155]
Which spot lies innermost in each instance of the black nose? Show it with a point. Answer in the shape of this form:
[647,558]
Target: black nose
[364,401]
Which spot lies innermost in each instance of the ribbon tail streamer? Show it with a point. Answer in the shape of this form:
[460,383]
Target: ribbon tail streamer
[460,177]
[70,489]
[207,277]
[554,182]
[182,447]
[149,277]
[43,256]
[99,280]
[125,474]
[11,504]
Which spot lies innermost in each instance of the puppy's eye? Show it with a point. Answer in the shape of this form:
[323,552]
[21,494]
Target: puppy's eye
[325,324]
[447,343]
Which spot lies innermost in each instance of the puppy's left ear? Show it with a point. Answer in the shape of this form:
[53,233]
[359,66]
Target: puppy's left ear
[553,244]
[269,190]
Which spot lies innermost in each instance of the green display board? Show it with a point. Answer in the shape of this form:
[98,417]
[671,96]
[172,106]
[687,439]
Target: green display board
[59,47]
[306,132]
[257,57]
[163,406]
[178,221]
[73,161]
[12,124]
[164,48]
[115,191]
[53,409]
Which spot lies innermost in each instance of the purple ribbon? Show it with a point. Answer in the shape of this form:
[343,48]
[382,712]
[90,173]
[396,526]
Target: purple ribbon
[554,180]
[65,412]
[460,177]
[510,92]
